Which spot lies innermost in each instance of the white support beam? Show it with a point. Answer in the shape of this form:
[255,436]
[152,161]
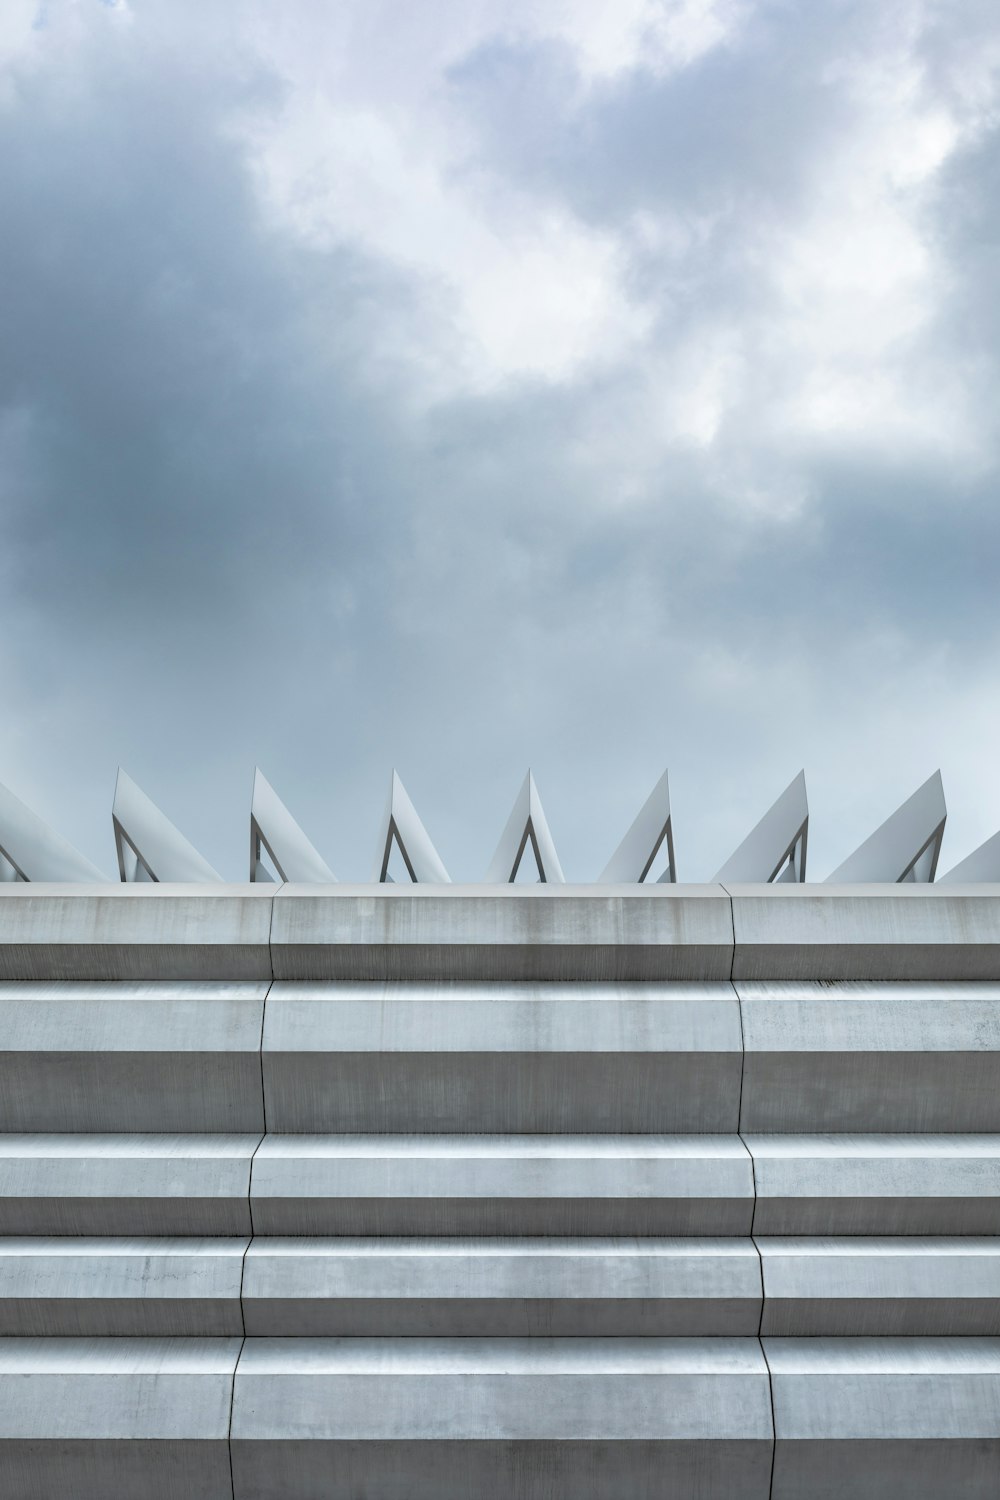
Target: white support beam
[273,828]
[905,847]
[526,825]
[651,827]
[30,850]
[775,849]
[401,825]
[149,846]
[982,865]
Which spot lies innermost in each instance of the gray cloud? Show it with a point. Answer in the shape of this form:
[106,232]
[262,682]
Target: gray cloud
[240,522]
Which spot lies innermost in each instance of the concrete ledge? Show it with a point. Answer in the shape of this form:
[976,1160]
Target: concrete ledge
[491,1058]
[97,1417]
[866,932]
[508,1185]
[135,931]
[121,1288]
[119,1057]
[877,1418]
[140,1185]
[885,1287]
[876,1184]
[608,933]
[870,1057]
[439,1419]
[501,1288]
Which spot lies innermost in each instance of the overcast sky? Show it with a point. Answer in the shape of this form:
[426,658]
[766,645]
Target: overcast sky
[471,384]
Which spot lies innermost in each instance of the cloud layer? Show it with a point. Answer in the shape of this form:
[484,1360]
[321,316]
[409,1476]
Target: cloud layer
[464,385]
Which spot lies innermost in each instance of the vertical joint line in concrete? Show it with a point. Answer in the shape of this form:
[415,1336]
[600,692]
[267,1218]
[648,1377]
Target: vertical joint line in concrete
[739,1010]
[774,1427]
[232,1399]
[270,930]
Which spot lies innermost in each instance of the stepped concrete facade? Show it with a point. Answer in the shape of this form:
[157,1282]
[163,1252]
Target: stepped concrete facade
[433,1191]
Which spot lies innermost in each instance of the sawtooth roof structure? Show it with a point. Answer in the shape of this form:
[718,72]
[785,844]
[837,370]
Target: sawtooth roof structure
[905,848]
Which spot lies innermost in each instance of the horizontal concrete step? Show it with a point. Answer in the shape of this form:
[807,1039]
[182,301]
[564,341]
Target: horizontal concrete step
[860,1287]
[445,1185]
[131,1057]
[886,932]
[591,933]
[90,1418]
[68,1287]
[501,1288]
[431,1419]
[125,1184]
[870,1057]
[871,1418]
[553,1418]
[507,1185]
[490,1058]
[876,1184]
[302,1287]
[495,1058]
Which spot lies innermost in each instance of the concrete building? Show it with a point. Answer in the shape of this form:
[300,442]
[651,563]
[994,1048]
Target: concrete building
[427,1190]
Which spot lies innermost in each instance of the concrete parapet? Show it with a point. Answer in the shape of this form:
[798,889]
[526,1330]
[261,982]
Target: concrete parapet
[89,1418]
[491,1058]
[876,1184]
[507,1185]
[162,1056]
[135,932]
[443,1419]
[508,932]
[137,1288]
[877,1419]
[870,1056]
[501,1288]
[894,932]
[864,1287]
[136,1185]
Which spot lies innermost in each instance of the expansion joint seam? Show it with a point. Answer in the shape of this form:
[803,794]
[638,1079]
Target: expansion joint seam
[739,1007]
[774,1429]
[270,933]
[232,1398]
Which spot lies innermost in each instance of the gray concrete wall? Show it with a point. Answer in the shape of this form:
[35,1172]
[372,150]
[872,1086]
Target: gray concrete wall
[502,1189]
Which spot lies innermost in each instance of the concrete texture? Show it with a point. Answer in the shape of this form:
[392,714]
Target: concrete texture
[894,932]
[865,1286]
[501,1225]
[137,1185]
[876,1184]
[508,1185]
[122,1288]
[143,1057]
[610,933]
[503,1288]
[441,1418]
[89,1418]
[878,1418]
[135,932]
[492,1058]
[870,1057]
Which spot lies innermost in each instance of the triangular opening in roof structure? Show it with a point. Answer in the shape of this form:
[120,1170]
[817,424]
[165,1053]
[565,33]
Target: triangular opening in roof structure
[646,853]
[405,840]
[527,827]
[775,848]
